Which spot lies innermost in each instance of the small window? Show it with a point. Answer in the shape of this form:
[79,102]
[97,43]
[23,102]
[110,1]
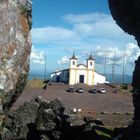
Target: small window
[91,63]
[73,63]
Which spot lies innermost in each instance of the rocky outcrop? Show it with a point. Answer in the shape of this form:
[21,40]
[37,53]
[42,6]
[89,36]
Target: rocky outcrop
[42,120]
[127,15]
[15,47]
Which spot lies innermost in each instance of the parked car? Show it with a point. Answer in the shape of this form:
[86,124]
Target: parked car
[124,86]
[93,90]
[71,89]
[80,90]
[102,90]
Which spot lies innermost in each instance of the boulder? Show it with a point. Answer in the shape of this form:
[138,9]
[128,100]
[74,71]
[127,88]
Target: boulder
[19,122]
[42,120]
[15,47]
[74,120]
[45,120]
[127,16]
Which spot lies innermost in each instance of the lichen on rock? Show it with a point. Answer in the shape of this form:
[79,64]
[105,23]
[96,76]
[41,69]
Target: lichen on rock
[15,47]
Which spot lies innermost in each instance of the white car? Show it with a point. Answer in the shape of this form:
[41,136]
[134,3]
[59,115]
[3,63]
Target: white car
[102,90]
[80,90]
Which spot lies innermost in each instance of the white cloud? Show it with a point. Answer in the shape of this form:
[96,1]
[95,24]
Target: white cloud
[63,60]
[85,27]
[52,34]
[85,18]
[102,28]
[37,56]
[130,53]
[87,33]
[66,59]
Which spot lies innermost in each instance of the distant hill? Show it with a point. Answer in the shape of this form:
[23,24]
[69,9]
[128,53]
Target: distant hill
[38,75]
[118,78]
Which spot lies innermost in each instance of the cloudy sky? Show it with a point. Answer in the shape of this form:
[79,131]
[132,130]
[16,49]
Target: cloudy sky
[81,26]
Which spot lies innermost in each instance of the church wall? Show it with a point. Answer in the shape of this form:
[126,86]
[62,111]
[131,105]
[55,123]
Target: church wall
[90,79]
[54,76]
[81,72]
[99,79]
[65,76]
[72,77]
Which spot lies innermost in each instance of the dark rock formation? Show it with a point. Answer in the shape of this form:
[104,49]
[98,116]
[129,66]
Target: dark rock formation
[15,47]
[17,123]
[41,120]
[127,15]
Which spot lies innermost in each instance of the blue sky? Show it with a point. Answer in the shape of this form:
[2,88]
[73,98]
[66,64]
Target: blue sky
[61,27]
[49,12]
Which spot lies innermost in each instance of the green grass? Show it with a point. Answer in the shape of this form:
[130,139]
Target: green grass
[105,133]
[35,83]
[101,133]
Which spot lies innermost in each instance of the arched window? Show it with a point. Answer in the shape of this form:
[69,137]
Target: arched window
[73,62]
[90,63]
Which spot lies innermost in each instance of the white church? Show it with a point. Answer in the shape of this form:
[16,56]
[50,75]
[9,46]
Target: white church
[79,73]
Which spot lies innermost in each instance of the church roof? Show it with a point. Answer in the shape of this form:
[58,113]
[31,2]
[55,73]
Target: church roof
[99,73]
[60,71]
[73,56]
[80,65]
[90,57]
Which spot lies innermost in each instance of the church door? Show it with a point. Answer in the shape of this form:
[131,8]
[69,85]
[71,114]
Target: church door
[81,78]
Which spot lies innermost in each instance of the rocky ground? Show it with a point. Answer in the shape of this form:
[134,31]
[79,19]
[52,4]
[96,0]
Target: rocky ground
[42,120]
[39,119]
[38,115]
[114,109]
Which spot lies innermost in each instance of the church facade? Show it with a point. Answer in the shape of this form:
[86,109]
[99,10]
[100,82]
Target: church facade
[79,73]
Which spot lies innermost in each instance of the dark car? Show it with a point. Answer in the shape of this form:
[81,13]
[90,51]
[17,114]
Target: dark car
[93,90]
[80,90]
[71,89]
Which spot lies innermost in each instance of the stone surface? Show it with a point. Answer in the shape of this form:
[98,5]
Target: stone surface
[19,122]
[74,120]
[127,15]
[15,47]
[42,120]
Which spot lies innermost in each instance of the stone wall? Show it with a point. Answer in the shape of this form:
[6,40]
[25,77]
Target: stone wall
[15,47]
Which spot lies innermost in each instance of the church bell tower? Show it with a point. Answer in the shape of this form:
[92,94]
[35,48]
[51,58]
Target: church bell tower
[73,69]
[90,70]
